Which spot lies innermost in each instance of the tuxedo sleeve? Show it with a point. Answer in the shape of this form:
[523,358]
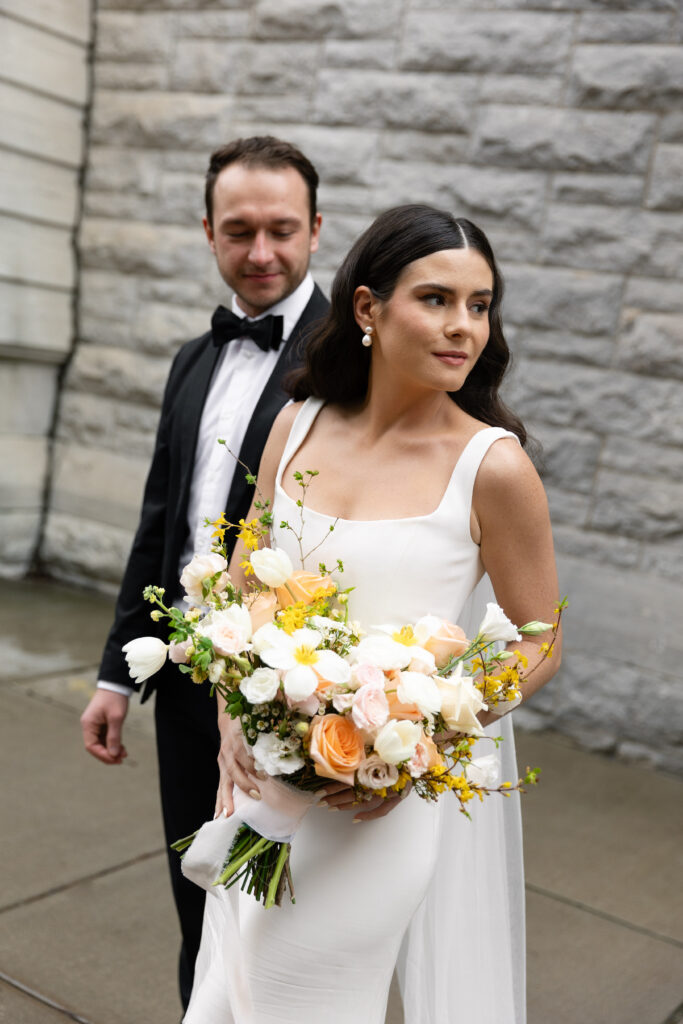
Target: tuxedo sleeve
[144,566]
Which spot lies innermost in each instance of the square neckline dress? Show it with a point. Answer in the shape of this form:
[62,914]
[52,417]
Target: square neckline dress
[422,889]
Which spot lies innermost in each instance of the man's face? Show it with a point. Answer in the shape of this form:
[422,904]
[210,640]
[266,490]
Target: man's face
[261,234]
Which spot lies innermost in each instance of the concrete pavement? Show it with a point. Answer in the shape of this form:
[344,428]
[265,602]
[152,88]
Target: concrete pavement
[87,927]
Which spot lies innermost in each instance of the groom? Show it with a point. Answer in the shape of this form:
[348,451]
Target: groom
[262,225]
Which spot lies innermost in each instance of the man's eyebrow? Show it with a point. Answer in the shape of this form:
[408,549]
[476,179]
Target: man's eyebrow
[483,292]
[240,221]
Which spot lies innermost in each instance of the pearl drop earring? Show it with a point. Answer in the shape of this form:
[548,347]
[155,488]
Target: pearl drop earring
[367,337]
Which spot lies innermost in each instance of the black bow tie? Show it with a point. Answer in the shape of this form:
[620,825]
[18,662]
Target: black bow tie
[266,332]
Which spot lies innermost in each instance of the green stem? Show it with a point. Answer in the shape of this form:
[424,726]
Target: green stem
[235,865]
[277,874]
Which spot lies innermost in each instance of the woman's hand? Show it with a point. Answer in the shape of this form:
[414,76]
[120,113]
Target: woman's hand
[339,797]
[236,766]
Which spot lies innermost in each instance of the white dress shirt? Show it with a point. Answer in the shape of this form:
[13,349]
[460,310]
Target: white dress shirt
[240,375]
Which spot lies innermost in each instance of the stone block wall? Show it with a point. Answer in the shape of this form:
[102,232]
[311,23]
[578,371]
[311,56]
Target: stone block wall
[556,125]
[43,95]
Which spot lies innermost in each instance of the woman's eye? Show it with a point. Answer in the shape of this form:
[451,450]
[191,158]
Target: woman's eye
[433,299]
[480,307]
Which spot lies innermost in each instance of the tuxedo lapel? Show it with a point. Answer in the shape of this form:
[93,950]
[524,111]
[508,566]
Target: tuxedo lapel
[272,399]
[189,405]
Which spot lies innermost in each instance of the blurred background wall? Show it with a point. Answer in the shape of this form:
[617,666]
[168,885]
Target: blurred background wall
[44,90]
[556,125]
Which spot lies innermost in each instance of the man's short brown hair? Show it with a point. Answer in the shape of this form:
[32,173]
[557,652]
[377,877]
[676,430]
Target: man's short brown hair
[260,151]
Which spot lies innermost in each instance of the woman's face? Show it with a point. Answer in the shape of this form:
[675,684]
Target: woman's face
[436,324]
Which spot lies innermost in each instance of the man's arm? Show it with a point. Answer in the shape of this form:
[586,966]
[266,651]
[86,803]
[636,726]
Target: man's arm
[102,720]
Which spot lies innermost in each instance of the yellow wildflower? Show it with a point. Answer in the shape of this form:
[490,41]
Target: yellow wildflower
[250,534]
[293,617]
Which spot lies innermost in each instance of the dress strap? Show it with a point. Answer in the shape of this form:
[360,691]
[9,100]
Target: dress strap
[300,428]
[468,464]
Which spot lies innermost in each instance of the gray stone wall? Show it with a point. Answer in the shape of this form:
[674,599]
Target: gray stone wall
[43,95]
[556,125]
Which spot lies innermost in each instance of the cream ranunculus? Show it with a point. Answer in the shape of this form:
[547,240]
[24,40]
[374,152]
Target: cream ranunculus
[496,626]
[417,688]
[145,656]
[261,686]
[228,630]
[272,566]
[202,567]
[396,741]
[461,702]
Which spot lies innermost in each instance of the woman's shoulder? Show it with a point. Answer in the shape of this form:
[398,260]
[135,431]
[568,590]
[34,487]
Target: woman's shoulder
[506,470]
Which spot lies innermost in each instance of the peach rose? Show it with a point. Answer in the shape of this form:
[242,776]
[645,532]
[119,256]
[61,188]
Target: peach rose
[262,608]
[426,756]
[337,748]
[303,586]
[441,638]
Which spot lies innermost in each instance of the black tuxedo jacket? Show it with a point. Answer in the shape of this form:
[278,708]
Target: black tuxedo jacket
[163,528]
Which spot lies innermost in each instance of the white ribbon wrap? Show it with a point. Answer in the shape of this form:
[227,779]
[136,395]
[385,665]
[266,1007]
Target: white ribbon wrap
[221,986]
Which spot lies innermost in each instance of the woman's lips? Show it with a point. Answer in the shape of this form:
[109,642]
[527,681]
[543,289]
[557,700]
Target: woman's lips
[452,358]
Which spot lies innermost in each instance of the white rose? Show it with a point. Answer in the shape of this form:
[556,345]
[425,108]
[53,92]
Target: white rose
[272,566]
[396,741]
[497,626]
[374,773]
[200,568]
[261,686]
[461,701]
[483,771]
[417,688]
[145,656]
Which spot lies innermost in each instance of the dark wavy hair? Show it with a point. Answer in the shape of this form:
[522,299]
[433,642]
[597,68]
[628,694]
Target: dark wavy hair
[336,365]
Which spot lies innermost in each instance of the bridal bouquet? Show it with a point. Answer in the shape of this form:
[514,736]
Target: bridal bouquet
[380,708]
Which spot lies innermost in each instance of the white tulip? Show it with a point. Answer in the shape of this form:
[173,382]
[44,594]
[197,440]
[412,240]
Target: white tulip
[417,688]
[396,741]
[145,656]
[272,566]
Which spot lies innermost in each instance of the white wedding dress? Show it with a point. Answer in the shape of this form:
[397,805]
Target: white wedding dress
[422,888]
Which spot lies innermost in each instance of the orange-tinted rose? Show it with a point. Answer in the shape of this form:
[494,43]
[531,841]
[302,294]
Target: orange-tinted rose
[262,609]
[303,585]
[449,641]
[397,709]
[337,748]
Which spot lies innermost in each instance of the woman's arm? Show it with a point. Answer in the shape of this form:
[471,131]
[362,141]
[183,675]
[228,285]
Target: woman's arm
[235,762]
[511,510]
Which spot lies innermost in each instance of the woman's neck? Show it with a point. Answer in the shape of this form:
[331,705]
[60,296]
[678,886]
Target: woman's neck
[424,411]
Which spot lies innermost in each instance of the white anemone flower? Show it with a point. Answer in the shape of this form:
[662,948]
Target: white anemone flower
[145,656]
[302,664]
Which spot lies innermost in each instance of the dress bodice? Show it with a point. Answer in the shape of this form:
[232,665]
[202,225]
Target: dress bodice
[402,568]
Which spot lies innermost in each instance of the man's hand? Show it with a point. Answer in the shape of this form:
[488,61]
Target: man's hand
[101,723]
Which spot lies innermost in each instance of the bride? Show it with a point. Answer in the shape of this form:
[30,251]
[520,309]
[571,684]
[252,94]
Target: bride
[423,475]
